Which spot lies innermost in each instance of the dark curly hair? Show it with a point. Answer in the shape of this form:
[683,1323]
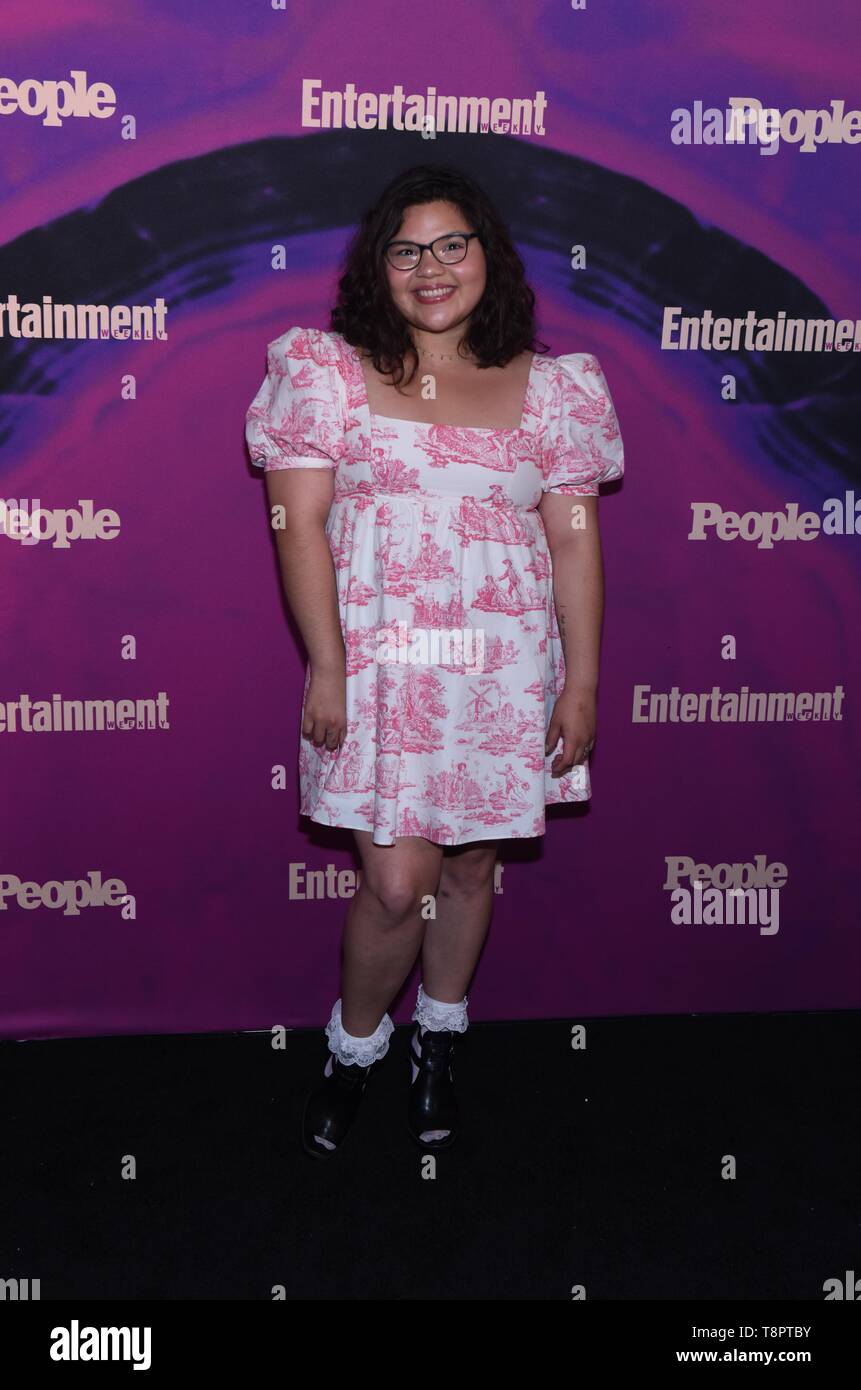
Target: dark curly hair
[501,326]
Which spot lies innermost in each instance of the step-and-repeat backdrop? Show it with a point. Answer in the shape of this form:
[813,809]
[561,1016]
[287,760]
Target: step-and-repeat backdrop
[179,184]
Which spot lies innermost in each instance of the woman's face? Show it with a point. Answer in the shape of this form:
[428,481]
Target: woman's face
[464,281]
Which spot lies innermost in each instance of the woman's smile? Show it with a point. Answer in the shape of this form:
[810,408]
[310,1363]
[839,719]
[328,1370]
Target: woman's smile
[437,294]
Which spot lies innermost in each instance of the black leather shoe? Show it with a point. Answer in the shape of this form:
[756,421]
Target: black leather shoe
[433,1106]
[331,1108]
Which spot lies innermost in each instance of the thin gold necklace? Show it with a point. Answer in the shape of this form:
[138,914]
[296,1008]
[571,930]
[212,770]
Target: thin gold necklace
[446,356]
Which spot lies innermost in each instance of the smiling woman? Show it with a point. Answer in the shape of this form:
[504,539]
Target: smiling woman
[437,284]
[425,454]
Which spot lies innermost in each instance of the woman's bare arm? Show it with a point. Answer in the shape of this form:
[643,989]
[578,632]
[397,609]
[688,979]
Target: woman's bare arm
[578,594]
[578,583]
[299,503]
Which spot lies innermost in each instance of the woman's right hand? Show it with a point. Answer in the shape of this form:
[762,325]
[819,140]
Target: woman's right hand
[325,717]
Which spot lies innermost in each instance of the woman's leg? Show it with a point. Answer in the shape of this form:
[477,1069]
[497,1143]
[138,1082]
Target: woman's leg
[384,927]
[464,903]
[382,937]
[452,944]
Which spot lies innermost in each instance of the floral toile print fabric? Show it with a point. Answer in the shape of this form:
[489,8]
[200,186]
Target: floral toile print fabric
[454,660]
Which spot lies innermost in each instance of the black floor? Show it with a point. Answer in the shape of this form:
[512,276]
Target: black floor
[599,1167]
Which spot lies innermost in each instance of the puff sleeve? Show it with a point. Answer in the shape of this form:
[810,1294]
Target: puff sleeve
[582,444]
[298,417]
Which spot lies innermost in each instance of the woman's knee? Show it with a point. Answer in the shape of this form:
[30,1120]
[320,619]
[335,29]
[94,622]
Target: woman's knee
[400,890]
[469,871]
[400,879]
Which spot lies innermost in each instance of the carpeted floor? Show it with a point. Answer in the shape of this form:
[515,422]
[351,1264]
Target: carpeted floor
[599,1168]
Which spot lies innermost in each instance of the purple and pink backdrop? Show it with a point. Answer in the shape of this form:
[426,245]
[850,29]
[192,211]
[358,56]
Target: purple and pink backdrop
[189,202]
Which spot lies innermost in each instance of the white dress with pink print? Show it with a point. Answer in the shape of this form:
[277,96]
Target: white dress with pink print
[454,660]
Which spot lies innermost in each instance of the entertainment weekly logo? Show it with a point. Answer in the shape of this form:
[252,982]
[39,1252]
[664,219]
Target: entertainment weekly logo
[49,320]
[746,706]
[314,885]
[61,716]
[420,112]
[756,333]
[841,516]
[747,122]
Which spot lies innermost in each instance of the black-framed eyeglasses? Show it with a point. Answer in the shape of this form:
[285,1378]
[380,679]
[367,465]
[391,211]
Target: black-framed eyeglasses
[448,250]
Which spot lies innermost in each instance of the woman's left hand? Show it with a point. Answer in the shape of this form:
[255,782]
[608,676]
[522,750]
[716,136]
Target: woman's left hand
[574,721]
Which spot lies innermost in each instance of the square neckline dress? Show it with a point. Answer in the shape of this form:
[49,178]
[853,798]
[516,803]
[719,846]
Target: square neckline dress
[434,529]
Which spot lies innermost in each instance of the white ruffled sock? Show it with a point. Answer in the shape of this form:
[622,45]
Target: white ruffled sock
[435,1015]
[353,1050]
